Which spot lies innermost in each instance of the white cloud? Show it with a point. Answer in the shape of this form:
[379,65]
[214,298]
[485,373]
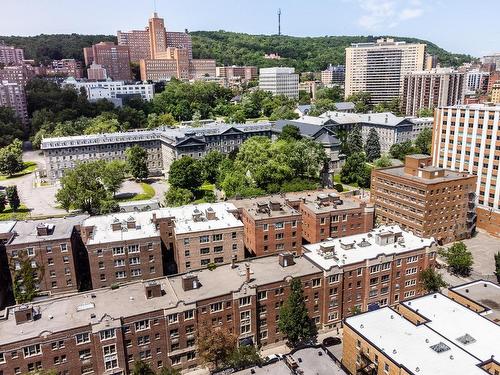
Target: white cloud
[378,14]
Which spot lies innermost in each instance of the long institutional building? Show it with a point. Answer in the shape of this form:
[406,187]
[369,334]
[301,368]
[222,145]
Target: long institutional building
[467,139]
[379,68]
[431,335]
[106,330]
[163,145]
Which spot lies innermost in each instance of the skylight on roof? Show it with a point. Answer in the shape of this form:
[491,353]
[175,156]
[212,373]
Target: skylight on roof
[440,347]
[466,339]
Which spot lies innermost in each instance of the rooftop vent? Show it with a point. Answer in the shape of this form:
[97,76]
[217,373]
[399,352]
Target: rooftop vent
[347,245]
[275,205]
[190,282]
[25,313]
[466,339]
[152,289]
[262,207]
[210,213]
[85,306]
[286,259]
[364,243]
[43,229]
[440,347]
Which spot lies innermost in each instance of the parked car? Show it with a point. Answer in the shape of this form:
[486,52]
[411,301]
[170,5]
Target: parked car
[272,359]
[331,341]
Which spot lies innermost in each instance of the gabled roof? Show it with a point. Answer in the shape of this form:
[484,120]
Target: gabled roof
[191,141]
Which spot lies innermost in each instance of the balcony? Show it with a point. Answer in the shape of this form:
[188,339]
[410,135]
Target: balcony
[367,366]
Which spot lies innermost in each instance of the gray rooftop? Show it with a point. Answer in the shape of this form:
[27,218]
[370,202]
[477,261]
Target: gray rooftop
[60,229]
[448,174]
[259,208]
[485,293]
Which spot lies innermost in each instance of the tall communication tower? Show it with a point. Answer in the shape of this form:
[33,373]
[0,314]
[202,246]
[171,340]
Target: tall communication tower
[279,21]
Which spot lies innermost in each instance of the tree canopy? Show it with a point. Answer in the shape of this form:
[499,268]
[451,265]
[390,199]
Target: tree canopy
[459,258]
[10,126]
[11,158]
[372,146]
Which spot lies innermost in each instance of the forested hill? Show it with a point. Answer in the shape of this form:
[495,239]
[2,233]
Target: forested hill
[303,53]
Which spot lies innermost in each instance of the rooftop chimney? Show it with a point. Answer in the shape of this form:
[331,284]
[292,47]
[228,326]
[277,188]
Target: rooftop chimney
[42,229]
[116,225]
[131,223]
[190,282]
[210,213]
[286,259]
[152,289]
[196,215]
[275,205]
[24,314]
[247,269]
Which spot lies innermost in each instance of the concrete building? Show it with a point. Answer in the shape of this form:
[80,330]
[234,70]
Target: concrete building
[10,55]
[476,80]
[96,72]
[55,247]
[495,93]
[280,81]
[12,95]
[271,225]
[379,68]
[112,89]
[331,215]
[432,89]
[427,335]
[333,75]
[114,58]
[19,74]
[241,73]
[467,139]
[163,145]
[492,59]
[429,201]
[157,321]
[66,68]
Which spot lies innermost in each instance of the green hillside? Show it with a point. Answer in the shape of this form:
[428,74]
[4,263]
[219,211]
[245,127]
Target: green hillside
[303,53]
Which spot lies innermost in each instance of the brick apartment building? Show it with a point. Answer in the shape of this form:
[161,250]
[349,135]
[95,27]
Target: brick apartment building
[430,201]
[157,321]
[10,55]
[428,335]
[330,215]
[122,247]
[466,138]
[54,245]
[13,95]
[114,58]
[271,226]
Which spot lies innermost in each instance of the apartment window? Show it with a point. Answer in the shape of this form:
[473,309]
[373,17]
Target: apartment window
[49,249]
[204,262]
[133,249]
[30,251]
[110,362]
[32,350]
[119,262]
[412,259]
[121,274]
[245,328]
[118,251]
[217,237]
[173,318]
[262,295]
[233,235]
[265,227]
[64,247]
[84,354]
[142,325]
[204,239]
[214,307]
[57,345]
[107,334]
[333,278]
[411,271]
[2,358]
[137,272]
[409,294]
[218,249]
[245,301]
[188,314]
[279,236]
[219,260]
[186,241]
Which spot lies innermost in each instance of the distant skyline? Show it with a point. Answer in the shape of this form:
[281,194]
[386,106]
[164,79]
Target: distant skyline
[455,25]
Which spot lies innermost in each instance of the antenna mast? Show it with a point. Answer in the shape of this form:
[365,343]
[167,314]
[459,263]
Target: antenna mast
[279,21]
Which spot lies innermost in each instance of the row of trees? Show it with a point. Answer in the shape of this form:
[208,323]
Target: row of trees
[421,145]
[91,186]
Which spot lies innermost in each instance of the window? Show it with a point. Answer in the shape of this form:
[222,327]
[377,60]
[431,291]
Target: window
[245,301]
[188,314]
[333,278]
[411,282]
[57,345]
[186,241]
[219,260]
[217,237]
[84,354]
[279,236]
[386,367]
[265,227]
[316,283]
[32,350]
[294,223]
[262,295]
[64,247]
[118,251]
[30,251]
[107,334]
[409,294]
[218,249]
[205,262]
[121,274]
[109,349]
[173,318]
[82,338]
[110,362]
[143,340]
[279,225]
[133,249]
[204,239]
[214,307]
[411,271]
[119,262]
[412,259]
[2,358]
[136,273]
[233,235]
[134,261]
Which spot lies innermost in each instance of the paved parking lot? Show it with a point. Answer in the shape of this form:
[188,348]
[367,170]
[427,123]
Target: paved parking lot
[315,361]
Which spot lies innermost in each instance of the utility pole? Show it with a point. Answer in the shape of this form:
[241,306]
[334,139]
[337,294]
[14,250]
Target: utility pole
[279,21]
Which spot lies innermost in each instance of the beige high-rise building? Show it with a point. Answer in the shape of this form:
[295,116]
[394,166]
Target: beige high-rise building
[12,95]
[495,93]
[379,68]
[466,138]
[431,89]
[115,59]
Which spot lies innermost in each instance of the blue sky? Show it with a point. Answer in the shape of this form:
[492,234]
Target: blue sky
[456,25]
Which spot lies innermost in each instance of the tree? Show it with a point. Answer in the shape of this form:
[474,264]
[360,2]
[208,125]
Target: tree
[497,266]
[361,101]
[186,173]
[356,171]
[334,94]
[13,197]
[109,206]
[11,158]
[176,197]
[113,175]
[425,112]
[244,357]
[215,345]
[431,280]
[400,150]
[82,188]
[2,202]
[394,106]
[10,126]
[210,165]
[290,132]
[137,162]
[355,140]
[423,142]
[294,320]
[142,368]
[459,258]
[26,275]
[383,162]
[372,146]
[321,106]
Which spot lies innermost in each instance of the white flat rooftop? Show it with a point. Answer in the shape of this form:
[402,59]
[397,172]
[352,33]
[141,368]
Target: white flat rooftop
[453,321]
[409,345]
[369,250]
[6,226]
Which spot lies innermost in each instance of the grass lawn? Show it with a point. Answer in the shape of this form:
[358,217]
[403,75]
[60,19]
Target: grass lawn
[29,167]
[21,214]
[148,192]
